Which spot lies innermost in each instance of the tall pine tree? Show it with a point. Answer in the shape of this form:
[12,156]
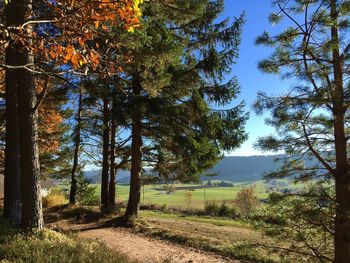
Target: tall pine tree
[176,75]
[312,118]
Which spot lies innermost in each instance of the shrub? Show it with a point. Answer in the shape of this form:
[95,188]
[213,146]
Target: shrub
[163,207]
[169,188]
[154,207]
[225,210]
[86,194]
[211,208]
[6,230]
[188,198]
[55,198]
[246,200]
[50,246]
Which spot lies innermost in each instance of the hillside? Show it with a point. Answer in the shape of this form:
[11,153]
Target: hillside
[231,168]
[123,177]
[242,168]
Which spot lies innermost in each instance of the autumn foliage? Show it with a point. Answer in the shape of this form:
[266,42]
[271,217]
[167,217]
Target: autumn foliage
[50,121]
[82,21]
[68,27]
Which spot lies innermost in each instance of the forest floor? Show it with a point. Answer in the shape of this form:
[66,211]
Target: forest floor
[141,248]
[146,249]
[159,239]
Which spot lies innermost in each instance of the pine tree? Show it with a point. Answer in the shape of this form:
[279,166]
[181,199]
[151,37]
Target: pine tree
[77,147]
[12,192]
[22,81]
[60,47]
[177,74]
[311,119]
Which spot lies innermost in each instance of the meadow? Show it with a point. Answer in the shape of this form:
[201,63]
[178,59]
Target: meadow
[200,194]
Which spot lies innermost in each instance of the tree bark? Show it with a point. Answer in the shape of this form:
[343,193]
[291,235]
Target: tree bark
[12,182]
[32,217]
[112,166]
[77,140]
[342,173]
[105,156]
[136,159]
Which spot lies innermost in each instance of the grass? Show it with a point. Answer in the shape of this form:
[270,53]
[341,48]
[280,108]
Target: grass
[201,219]
[177,199]
[235,239]
[51,246]
[230,238]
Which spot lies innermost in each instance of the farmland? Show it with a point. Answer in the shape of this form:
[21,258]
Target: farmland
[158,195]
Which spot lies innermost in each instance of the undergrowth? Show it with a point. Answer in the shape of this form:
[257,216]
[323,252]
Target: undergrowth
[242,250]
[51,246]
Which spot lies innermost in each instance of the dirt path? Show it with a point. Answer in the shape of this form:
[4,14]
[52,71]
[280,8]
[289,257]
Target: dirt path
[144,249]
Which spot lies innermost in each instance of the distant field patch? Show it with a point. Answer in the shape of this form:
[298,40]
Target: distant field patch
[157,194]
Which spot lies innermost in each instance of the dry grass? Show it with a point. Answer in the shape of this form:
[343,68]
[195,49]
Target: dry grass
[51,246]
[55,198]
[233,239]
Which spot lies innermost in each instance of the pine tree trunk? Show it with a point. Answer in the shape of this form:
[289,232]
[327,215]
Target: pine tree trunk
[32,217]
[77,139]
[105,156]
[113,167]
[136,161]
[12,182]
[342,173]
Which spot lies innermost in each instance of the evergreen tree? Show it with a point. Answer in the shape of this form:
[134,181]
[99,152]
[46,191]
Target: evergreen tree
[77,147]
[55,154]
[311,120]
[178,71]
[21,81]
[86,194]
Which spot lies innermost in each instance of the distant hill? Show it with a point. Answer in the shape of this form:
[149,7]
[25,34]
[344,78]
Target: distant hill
[231,168]
[241,168]
[94,176]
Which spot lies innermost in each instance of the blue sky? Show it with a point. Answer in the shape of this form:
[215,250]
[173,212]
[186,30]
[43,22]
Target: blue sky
[249,77]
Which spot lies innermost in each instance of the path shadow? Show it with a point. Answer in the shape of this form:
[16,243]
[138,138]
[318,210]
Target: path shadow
[79,219]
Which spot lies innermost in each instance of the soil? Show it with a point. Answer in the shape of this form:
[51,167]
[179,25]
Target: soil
[141,248]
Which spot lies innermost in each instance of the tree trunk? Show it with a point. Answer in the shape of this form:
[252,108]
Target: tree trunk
[105,156]
[32,217]
[77,139]
[342,173]
[113,167]
[136,159]
[12,182]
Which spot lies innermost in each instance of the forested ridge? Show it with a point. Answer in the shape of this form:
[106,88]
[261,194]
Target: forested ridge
[144,86]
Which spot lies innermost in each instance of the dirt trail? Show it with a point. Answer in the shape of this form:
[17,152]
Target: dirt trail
[144,249]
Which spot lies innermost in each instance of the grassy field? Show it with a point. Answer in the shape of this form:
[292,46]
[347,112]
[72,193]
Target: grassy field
[230,238]
[198,198]
[155,194]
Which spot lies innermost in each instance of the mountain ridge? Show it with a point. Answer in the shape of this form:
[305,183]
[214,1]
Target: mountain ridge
[230,168]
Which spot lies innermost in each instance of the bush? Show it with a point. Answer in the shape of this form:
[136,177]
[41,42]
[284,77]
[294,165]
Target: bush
[211,208]
[50,246]
[264,216]
[55,198]
[86,194]
[225,210]
[247,201]
[154,207]
[169,188]
[6,231]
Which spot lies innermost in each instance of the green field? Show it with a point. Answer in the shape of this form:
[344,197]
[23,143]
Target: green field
[155,194]
[199,196]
